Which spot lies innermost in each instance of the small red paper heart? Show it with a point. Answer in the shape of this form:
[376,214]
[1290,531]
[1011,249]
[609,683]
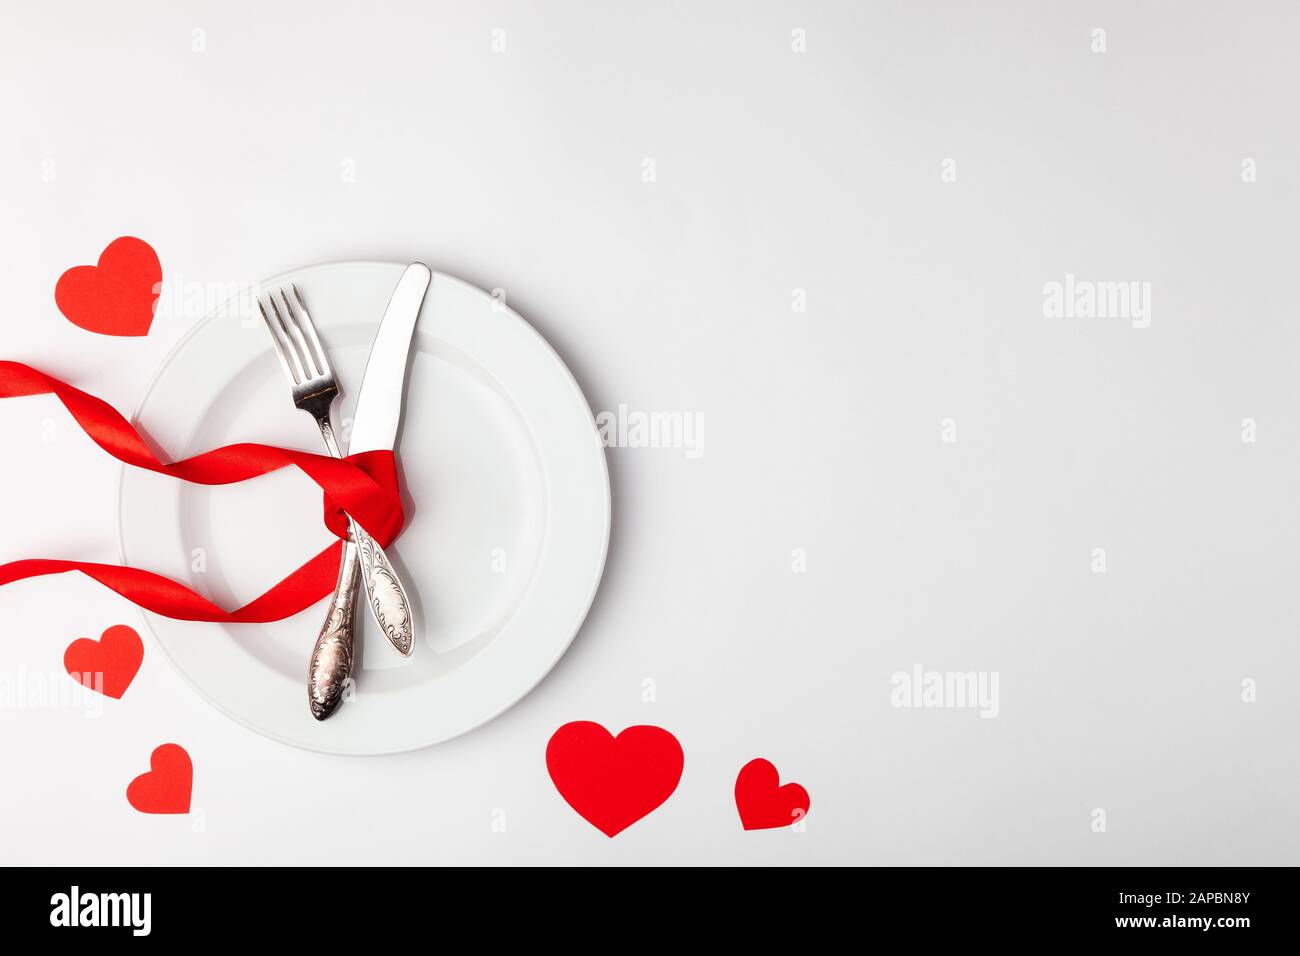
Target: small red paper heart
[107,665]
[612,782]
[764,805]
[116,297]
[166,787]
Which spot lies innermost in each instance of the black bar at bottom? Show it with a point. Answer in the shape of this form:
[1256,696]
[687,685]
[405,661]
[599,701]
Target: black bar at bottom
[1173,905]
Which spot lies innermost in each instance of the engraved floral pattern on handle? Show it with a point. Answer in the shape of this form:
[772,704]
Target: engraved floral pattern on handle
[331,659]
[387,598]
[389,605]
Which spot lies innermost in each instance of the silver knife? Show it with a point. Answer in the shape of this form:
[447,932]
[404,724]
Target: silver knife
[374,427]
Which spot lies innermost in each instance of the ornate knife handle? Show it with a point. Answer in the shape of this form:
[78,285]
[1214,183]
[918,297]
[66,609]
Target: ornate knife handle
[331,658]
[385,593]
[388,602]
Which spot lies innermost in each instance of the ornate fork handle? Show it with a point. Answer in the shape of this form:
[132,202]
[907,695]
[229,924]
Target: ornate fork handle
[331,658]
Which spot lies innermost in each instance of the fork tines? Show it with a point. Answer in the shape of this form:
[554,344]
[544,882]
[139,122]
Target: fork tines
[295,338]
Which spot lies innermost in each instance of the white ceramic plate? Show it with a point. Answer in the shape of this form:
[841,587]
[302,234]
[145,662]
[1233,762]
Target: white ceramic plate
[507,499]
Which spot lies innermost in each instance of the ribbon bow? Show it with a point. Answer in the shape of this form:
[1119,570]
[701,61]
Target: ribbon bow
[364,486]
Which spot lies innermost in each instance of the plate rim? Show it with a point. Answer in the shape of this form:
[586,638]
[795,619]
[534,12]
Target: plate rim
[589,601]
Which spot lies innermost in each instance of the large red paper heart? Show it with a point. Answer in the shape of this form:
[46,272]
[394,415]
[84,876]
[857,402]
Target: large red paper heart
[612,782]
[166,787]
[117,296]
[763,804]
[107,665]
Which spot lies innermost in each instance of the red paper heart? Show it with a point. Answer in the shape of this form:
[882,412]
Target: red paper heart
[612,782]
[763,804]
[117,296]
[107,665]
[166,787]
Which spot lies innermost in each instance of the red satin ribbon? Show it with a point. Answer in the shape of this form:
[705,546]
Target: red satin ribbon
[364,486]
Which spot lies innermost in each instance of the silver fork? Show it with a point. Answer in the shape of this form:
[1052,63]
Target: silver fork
[314,387]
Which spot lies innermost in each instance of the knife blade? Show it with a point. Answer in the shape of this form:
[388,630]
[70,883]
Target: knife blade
[379,404]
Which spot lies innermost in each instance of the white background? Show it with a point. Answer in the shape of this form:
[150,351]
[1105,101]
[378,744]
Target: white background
[775,171]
